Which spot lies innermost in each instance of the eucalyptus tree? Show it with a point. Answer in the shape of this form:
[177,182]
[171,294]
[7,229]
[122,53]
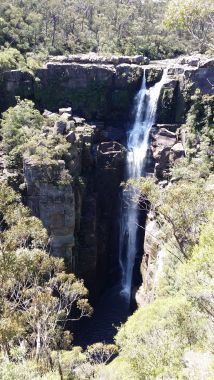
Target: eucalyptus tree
[194,17]
[37,297]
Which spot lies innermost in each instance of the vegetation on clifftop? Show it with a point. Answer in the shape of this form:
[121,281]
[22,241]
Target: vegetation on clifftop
[157,29]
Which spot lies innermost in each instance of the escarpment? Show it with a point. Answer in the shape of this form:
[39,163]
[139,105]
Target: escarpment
[78,196]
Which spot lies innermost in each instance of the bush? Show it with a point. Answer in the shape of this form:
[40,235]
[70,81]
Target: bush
[10,59]
[19,125]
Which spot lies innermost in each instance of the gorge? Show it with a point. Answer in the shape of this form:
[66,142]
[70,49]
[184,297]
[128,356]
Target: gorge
[107,190]
[109,143]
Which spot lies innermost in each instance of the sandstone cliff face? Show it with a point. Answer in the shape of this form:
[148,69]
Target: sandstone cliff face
[103,88]
[53,204]
[77,198]
[97,88]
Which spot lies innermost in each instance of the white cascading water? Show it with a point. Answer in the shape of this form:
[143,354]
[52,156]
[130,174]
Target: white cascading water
[145,108]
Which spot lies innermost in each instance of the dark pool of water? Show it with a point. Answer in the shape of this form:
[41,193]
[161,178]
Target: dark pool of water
[110,311]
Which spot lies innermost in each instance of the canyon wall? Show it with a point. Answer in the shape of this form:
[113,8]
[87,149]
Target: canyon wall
[82,216]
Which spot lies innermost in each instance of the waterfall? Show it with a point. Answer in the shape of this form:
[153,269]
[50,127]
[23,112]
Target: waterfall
[145,107]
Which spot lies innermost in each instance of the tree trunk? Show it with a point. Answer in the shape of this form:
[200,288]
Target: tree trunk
[54,29]
[38,341]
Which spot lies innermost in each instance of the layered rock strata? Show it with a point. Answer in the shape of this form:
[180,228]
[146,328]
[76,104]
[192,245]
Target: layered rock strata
[77,198]
[103,88]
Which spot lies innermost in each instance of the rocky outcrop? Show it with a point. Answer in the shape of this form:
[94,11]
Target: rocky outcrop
[166,147]
[103,88]
[94,58]
[167,105]
[77,197]
[51,185]
[53,203]
[151,262]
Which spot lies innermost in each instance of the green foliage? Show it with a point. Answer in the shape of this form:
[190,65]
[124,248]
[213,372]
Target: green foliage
[74,364]
[155,337]
[45,149]
[22,228]
[193,17]
[180,208]
[195,277]
[153,342]
[10,58]
[23,137]
[198,138]
[19,125]
[119,27]
[22,371]
[37,296]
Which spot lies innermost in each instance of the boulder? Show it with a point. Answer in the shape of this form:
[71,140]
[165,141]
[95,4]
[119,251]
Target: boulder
[71,137]
[65,116]
[177,152]
[67,110]
[169,127]
[70,126]
[209,63]
[60,127]
[140,60]
[110,150]
[78,120]
[161,156]
[48,114]
[193,60]
[163,138]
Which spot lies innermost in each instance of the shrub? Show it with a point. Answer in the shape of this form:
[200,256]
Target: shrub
[10,59]
[19,124]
